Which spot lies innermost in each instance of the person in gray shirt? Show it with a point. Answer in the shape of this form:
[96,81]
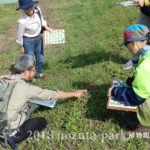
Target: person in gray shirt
[23,92]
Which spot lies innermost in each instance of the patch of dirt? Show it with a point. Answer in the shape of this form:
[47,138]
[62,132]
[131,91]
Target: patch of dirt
[5,72]
[55,23]
[8,38]
[8,62]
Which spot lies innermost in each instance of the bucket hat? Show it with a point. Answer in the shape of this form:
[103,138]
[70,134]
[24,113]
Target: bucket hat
[25,4]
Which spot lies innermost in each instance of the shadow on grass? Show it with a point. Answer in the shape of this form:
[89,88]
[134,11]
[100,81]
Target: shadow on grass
[97,102]
[93,58]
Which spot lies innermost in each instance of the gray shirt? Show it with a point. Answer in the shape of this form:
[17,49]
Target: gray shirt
[21,95]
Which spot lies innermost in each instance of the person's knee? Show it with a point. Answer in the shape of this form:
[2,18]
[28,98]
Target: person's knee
[40,122]
[28,128]
[43,122]
[34,124]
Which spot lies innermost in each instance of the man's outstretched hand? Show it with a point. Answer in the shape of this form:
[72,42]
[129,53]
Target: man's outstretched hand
[78,94]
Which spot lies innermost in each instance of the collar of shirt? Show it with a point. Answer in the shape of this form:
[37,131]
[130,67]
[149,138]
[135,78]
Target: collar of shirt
[28,17]
[144,49]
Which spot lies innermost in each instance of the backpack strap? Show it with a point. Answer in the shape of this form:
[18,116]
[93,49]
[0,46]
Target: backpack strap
[5,134]
[7,139]
[11,142]
[39,14]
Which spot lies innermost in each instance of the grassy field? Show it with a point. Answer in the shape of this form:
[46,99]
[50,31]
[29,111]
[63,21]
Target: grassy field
[8,15]
[90,59]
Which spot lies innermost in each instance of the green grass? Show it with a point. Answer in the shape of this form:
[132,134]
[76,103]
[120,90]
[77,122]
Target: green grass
[8,19]
[8,14]
[90,59]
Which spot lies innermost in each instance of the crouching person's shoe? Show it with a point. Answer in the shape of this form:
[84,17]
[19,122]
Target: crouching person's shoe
[41,76]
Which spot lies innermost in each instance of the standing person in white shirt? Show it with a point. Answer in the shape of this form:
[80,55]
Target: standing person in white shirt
[29,35]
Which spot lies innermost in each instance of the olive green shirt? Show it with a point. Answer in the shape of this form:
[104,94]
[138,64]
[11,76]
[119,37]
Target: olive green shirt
[22,93]
[143,113]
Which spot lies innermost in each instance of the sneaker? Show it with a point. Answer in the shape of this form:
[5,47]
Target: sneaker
[41,76]
[128,65]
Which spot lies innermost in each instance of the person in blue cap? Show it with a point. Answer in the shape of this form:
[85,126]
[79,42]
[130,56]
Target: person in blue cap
[19,126]
[144,18]
[137,93]
[29,35]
